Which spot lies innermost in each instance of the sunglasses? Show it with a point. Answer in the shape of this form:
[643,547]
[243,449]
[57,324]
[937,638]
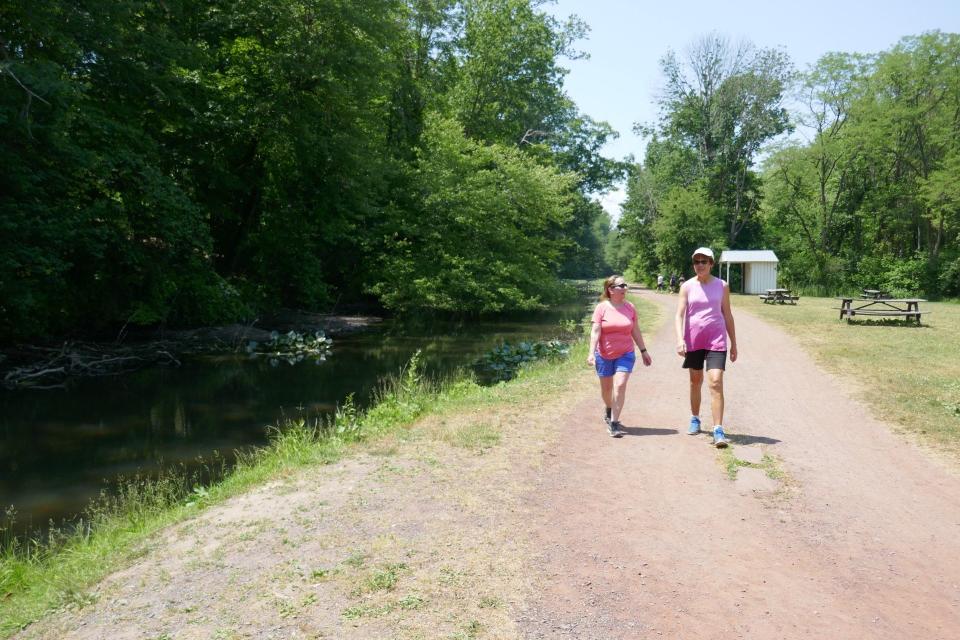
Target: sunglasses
[701,262]
[619,286]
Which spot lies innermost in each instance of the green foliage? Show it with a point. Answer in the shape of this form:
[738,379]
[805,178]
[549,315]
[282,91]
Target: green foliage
[687,220]
[504,361]
[346,419]
[171,165]
[486,235]
[869,200]
[588,230]
[508,86]
[902,277]
[948,280]
[718,110]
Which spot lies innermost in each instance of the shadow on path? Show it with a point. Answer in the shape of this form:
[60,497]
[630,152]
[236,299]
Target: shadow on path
[641,431]
[745,439]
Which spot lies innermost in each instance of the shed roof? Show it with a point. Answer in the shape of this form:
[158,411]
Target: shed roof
[760,255]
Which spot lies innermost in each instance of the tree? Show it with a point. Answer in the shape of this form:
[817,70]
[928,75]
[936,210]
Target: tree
[807,205]
[723,105]
[509,82]
[484,237]
[97,229]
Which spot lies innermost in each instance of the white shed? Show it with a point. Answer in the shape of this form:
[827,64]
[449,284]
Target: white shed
[759,269]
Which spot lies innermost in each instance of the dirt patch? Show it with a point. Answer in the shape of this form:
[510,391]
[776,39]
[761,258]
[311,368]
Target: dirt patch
[647,536]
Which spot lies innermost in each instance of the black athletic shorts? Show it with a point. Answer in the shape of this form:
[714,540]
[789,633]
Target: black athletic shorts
[713,359]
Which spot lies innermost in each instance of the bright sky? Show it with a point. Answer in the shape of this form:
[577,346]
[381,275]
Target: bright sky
[620,81]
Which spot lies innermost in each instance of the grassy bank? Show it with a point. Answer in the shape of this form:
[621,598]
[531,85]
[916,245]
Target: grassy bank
[36,578]
[40,576]
[909,375]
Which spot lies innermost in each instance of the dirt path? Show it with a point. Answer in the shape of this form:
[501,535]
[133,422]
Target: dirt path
[645,536]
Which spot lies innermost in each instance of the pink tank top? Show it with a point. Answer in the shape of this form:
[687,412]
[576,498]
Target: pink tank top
[706,328]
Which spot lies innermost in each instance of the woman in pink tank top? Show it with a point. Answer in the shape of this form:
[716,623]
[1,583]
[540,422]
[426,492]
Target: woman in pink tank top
[705,334]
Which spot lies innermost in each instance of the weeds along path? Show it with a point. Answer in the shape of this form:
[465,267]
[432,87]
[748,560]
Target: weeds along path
[647,536]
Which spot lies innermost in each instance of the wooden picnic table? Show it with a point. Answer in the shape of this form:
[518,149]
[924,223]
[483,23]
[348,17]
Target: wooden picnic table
[875,294]
[906,308]
[779,296]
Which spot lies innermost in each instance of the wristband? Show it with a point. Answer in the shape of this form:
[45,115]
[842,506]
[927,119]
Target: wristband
[643,350]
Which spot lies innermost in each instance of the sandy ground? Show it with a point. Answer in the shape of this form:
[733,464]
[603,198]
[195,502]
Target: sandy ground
[526,520]
[645,536]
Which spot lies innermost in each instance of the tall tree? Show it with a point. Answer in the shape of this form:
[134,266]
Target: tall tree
[808,203]
[485,237]
[509,85]
[724,103]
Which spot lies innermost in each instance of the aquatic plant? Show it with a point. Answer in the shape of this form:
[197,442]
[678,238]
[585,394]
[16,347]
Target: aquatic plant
[505,360]
[292,347]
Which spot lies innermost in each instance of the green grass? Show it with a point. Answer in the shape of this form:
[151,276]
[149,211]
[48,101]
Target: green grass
[909,375]
[768,464]
[38,577]
[384,579]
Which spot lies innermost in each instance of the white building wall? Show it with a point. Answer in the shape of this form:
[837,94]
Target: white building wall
[759,276]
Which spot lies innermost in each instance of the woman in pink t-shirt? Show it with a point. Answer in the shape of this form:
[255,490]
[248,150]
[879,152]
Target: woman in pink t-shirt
[614,331]
[705,334]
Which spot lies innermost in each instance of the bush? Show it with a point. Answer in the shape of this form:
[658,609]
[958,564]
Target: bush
[902,277]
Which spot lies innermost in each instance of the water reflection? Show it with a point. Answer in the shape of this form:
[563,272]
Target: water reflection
[60,448]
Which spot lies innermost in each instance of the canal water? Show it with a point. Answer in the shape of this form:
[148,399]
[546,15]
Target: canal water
[60,448]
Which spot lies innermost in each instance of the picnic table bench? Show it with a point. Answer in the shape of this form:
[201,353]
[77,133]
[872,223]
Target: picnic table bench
[905,308]
[778,296]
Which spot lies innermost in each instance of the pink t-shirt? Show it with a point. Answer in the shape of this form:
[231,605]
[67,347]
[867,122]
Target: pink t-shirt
[706,328]
[616,328]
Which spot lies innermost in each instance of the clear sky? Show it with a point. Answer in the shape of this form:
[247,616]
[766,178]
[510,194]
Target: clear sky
[620,81]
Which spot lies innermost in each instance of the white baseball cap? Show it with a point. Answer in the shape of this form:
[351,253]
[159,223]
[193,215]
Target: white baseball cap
[703,251]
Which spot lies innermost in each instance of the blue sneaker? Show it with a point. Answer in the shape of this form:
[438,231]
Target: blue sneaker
[694,426]
[719,437]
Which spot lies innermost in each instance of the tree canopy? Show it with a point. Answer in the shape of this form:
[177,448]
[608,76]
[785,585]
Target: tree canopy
[169,163]
[864,195]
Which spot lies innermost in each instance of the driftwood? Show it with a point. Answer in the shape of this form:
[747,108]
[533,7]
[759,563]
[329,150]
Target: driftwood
[48,368]
[37,367]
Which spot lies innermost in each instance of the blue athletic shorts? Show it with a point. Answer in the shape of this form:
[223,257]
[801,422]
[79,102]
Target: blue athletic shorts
[624,363]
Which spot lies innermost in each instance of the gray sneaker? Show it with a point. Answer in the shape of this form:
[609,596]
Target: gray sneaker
[612,429]
[618,427]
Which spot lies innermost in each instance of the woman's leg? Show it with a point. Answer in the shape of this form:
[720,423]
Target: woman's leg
[619,384]
[696,382]
[715,382]
[606,391]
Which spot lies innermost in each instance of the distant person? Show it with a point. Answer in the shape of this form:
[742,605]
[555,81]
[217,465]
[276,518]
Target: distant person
[614,332]
[705,334]
[659,282]
[673,282]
